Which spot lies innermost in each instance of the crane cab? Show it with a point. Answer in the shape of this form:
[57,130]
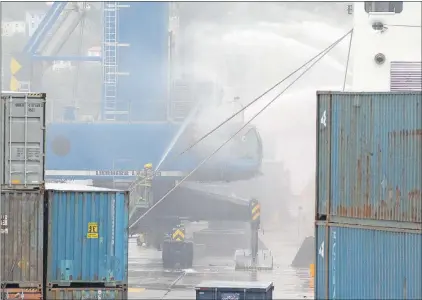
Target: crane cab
[386,46]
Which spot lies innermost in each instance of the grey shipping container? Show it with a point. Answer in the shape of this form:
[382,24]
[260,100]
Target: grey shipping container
[369,156]
[22,238]
[367,262]
[234,290]
[87,293]
[22,142]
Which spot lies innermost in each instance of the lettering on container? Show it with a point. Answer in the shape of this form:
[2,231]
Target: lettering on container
[3,225]
[99,294]
[230,296]
[324,118]
[321,250]
[31,153]
[113,216]
[122,173]
[92,230]
[334,236]
[31,106]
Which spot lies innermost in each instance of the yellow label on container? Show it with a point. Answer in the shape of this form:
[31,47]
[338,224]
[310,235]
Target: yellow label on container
[92,230]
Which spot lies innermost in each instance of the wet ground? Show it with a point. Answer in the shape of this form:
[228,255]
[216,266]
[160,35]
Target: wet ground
[148,280]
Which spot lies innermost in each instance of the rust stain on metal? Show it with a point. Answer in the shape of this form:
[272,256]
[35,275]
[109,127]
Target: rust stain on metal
[389,209]
[398,196]
[19,293]
[359,181]
[406,133]
[365,211]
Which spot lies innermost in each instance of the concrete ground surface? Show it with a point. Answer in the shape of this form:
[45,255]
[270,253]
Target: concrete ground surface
[148,279]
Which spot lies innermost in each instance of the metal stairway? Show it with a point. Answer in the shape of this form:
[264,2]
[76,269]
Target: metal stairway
[140,196]
[110,68]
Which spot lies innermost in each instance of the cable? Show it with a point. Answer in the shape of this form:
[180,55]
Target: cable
[248,105]
[259,97]
[409,26]
[231,137]
[347,61]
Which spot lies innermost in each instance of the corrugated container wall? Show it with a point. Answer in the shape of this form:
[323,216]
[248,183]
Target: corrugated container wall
[358,262]
[87,293]
[22,142]
[22,293]
[144,28]
[87,237]
[369,156]
[22,238]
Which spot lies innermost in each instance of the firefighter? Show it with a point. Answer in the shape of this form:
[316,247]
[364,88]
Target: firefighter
[148,174]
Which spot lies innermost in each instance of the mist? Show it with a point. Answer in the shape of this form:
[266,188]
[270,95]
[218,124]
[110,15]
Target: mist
[248,54]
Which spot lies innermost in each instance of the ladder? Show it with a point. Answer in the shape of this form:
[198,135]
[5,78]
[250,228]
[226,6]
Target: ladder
[110,60]
[140,194]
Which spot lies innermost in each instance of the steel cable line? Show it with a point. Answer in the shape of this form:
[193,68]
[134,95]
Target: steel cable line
[258,98]
[347,60]
[322,54]
[249,104]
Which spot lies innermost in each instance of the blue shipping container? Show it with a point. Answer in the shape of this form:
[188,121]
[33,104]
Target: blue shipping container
[369,155]
[358,262]
[87,235]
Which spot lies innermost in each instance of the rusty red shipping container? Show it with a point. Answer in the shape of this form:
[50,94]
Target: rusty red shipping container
[369,156]
[22,238]
[87,293]
[22,293]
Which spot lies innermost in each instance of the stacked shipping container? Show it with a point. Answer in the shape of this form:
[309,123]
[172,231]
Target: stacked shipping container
[22,143]
[87,242]
[369,196]
[22,148]
[57,241]
[69,241]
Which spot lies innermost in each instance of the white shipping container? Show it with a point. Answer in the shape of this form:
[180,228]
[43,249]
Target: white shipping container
[22,142]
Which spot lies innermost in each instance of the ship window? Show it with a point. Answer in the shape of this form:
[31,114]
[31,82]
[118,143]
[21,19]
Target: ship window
[384,6]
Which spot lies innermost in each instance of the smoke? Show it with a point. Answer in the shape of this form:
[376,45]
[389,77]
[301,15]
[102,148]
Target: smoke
[249,52]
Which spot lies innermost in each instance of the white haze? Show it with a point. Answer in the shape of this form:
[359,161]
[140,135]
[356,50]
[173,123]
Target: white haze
[248,59]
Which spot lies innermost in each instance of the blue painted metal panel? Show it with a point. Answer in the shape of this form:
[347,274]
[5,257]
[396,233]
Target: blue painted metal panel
[320,265]
[143,28]
[370,263]
[323,154]
[123,146]
[74,257]
[375,156]
[107,146]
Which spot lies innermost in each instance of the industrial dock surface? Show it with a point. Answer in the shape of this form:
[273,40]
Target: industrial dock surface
[148,279]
